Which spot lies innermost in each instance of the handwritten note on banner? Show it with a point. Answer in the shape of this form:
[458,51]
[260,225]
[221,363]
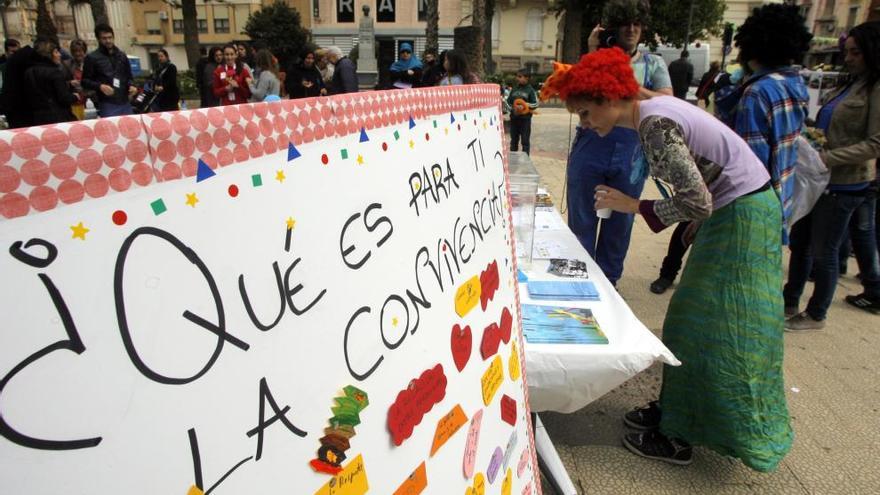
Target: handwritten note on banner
[230,301]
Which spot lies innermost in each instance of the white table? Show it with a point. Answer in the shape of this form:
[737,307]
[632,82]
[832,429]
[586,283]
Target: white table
[567,377]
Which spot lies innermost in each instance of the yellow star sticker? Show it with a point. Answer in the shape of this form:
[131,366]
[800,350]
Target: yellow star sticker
[485,126]
[394,321]
[412,143]
[192,199]
[279,176]
[418,185]
[79,231]
[360,160]
[291,223]
[445,130]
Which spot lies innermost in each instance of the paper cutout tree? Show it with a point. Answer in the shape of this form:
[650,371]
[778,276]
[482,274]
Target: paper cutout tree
[335,442]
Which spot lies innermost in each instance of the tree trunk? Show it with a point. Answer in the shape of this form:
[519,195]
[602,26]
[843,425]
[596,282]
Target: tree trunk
[432,11]
[45,25]
[190,32]
[478,21]
[99,12]
[572,40]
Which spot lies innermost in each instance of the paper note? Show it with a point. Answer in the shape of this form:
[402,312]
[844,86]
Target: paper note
[508,451]
[414,402]
[447,426]
[505,325]
[523,462]
[507,484]
[492,379]
[461,342]
[491,341]
[470,446]
[494,465]
[478,487]
[352,480]
[467,296]
[415,483]
[513,362]
[194,490]
[489,283]
[508,410]
[545,249]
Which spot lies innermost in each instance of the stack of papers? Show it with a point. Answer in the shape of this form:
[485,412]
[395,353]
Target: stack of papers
[560,325]
[563,290]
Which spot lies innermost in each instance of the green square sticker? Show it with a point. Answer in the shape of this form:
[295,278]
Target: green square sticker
[257,180]
[344,154]
[396,135]
[435,124]
[158,207]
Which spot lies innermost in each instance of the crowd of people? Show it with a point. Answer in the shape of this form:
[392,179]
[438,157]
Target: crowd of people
[726,178]
[44,84]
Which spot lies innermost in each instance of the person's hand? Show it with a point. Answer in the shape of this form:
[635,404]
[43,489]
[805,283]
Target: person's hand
[307,84]
[132,91]
[233,84]
[690,233]
[249,80]
[323,91]
[410,72]
[608,197]
[159,89]
[107,89]
[76,84]
[593,40]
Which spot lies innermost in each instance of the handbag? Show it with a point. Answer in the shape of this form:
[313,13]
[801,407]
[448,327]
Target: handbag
[811,178]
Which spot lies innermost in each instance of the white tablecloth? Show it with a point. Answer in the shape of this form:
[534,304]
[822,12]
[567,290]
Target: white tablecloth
[567,377]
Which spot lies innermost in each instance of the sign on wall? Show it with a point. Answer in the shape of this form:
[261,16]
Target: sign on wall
[344,10]
[385,10]
[308,296]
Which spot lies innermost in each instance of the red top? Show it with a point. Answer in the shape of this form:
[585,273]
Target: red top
[222,76]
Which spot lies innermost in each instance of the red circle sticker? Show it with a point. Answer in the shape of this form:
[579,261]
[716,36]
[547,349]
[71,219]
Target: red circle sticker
[119,217]
[325,159]
[233,190]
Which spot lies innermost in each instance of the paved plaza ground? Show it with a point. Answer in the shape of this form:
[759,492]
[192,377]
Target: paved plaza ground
[831,383]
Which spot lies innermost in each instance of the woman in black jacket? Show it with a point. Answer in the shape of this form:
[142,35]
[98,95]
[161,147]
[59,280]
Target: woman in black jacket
[304,80]
[49,93]
[165,85]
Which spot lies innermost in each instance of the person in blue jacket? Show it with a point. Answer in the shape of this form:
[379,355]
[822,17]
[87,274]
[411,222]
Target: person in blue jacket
[608,160]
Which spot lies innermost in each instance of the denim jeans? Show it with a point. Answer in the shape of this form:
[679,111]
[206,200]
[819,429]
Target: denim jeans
[817,238]
[107,109]
[596,160]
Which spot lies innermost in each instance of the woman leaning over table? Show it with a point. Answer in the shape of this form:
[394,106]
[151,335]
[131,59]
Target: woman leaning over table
[851,121]
[724,321]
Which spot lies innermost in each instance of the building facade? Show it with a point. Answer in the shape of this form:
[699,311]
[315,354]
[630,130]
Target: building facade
[829,21]
[524,35]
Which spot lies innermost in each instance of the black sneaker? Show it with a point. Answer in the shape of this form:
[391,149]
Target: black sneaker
[645,418]
[862,301]
[660,285]
[655,445]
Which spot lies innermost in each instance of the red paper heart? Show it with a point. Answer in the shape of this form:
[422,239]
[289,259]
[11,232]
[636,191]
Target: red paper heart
[414,402]
[489,283]
[508,410]
[491,341]
[506,325]
[462,342]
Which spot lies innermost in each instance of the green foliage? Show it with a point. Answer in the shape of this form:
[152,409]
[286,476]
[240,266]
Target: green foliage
[186,83]
[279,27]
[669,19]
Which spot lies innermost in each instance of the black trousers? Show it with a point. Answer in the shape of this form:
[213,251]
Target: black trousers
[520,130]
[675,253]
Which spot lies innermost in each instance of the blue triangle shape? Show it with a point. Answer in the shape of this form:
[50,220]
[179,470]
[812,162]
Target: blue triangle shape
[204,171]
[364,137]
[412,123]
[292,152]
[451,118]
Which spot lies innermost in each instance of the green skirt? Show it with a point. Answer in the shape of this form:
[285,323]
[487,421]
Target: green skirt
[725,324]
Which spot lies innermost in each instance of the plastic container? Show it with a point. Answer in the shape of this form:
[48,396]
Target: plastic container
[523,192]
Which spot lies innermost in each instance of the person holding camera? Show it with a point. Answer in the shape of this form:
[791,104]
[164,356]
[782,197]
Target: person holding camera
[607,160]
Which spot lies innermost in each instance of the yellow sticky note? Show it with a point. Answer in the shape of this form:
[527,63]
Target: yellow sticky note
[415,483]
[194,490]
[507,484]
[478,487]
[492,379]
[467,296]
[352,480]
[447,426]
[513,362]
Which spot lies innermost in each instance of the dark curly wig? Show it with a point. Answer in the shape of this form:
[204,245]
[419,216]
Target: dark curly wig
[867,38]
[618,13]
[774,35]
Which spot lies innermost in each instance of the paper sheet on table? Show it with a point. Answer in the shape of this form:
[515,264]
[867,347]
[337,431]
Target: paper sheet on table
[548,220]
[544,249]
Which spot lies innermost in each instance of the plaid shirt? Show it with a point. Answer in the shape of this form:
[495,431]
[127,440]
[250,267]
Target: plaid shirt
[769,116]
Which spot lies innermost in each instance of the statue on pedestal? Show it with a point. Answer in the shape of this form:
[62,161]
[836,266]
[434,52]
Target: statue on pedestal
[368,72]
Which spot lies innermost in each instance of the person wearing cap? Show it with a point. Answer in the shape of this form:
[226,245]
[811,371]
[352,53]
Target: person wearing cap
[725,322]
[406,72]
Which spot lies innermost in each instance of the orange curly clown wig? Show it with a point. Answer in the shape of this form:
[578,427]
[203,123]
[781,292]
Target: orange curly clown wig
[605,74]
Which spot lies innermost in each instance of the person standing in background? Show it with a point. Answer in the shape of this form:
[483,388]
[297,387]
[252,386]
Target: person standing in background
[78,50]
[707,83]
[230,79]
[165,85]
[406,72]
[267,82]
[49,92]
[199,72]
[344,72]
[14,95]
[322,61]
[215,59]
[456,69]
[523,100]
[681,73]
[304,80]
[9,47]
[107,72]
